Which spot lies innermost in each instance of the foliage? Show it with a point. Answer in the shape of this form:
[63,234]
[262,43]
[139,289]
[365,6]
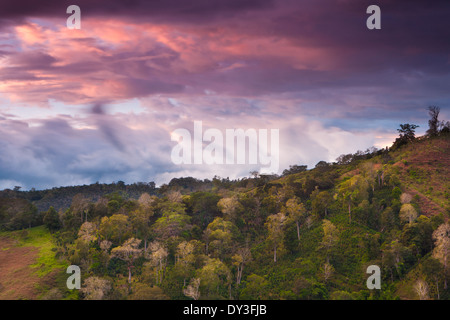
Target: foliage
[309,234]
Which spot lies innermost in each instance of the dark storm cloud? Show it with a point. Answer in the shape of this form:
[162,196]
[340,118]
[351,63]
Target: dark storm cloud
[192,11]
[413,43]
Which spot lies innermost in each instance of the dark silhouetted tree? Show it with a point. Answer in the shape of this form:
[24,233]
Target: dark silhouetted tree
[407,134]
[294,169]
[433,123]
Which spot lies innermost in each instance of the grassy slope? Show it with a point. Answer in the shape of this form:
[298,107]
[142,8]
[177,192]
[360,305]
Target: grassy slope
[424,169]
[43,267]
[46,262]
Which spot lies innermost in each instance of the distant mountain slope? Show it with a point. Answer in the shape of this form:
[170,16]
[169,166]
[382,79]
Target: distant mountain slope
[61,198]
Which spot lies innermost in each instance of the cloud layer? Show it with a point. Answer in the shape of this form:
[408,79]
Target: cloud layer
[98,104]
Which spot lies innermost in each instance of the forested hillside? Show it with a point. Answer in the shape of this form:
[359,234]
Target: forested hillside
[308,234]
[61,198]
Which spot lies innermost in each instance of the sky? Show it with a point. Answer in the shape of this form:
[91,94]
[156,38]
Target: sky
[100,103]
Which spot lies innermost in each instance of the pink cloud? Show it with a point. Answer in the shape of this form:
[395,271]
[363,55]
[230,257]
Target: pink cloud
[112,59]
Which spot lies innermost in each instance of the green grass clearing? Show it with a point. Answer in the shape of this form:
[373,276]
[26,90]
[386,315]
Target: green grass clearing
[41,238]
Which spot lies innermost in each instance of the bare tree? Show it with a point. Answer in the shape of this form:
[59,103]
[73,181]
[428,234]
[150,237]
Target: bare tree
[185,253]
[175,196]
[242,257]
[408,213]
[327,271]
[433,123]
[158,258]
[95,288]
[80,206]
[146,201]
[88,232]
[192,289]
[405,198]
[128,252]
[421,288]
[442,247]
[230,207]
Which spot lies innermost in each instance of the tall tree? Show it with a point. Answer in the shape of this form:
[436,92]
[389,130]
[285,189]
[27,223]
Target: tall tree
[185,252]
[320,201]
[193,289]
[256,288]
[296,212]
[221,235]
[174,196]
[353,191]
[408,213]
[215,278]
[128,252]
[115,228]
[202,206]
[158,258]
[441,250]
[407,134]
[327,271]
[422,289]
[80,206]
[51,220]
[433,123]
[105,245]
[433,271]
[88,232]
[240,259]
[140,222]
[393,256]
[146,201]
[185,258]
[369,174]
[330,237]
[171,225]
[275,226]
